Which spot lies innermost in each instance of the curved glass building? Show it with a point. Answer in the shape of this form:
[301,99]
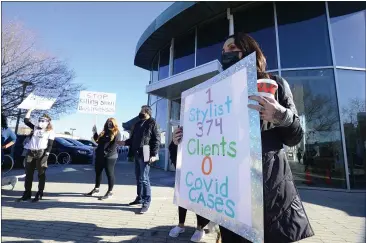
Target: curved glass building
[318,47]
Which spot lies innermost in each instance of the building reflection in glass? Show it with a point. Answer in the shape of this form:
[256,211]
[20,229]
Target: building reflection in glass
[318,159]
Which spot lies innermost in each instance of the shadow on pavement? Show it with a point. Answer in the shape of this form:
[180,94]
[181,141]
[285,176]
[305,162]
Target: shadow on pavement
[49,202]
[63,231]
[85,174]
[351,203]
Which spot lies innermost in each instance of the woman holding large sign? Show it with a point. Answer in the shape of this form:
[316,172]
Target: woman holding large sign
[106,155]
[285,219]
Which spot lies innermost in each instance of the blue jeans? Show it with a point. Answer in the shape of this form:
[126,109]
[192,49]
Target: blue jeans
[142,170]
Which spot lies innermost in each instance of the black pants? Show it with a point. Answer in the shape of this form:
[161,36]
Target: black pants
[108,164]
[201,221]
[228,236]
[35,159]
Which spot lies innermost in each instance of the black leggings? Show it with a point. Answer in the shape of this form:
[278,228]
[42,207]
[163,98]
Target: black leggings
[108,164]
[228,236]
[201,221]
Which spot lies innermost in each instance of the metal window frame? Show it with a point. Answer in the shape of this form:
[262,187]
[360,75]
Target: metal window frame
[277,40]
[343,140]
[279,70]
[307,68]
[195,45]
[334,67]
[351,68]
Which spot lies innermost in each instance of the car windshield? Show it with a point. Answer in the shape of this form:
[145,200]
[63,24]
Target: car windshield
[75,142]
[87,142]
[64,142]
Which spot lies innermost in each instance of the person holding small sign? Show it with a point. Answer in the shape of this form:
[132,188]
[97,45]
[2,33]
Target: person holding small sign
[285,219]
[39,148]
[106,156]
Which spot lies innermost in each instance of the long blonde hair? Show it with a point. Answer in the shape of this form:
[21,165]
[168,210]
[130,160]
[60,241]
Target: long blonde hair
[114,130]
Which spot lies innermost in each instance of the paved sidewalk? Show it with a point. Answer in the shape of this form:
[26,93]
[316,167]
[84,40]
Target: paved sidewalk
[65,215]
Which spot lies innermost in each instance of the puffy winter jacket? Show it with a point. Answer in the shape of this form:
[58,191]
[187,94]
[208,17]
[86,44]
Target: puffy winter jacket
[285,219]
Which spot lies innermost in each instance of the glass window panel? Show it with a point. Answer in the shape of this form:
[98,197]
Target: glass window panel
[318,159]
[274,73]
[164,63]
[262,31]
[352,99]
[175,110]
[161,119]
[153,99]
[303,34]
[348,23]
[184,52]
[161,116]
[155,69]
[153,108]
[210,40]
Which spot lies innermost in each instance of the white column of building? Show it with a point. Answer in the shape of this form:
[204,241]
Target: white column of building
[345,158]
[169,104]
[230,17]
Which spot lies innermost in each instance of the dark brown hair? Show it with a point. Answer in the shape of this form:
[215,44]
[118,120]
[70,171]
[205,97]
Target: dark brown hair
[248,45]
[147,109]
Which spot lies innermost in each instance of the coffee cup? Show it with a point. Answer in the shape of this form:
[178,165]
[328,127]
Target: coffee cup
[267,87]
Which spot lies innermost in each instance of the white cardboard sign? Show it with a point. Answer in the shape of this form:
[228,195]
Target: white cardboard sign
[219,165]
[97,103]
[40,99]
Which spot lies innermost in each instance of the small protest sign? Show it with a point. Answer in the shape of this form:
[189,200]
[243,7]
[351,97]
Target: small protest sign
[97,103]
[40,99]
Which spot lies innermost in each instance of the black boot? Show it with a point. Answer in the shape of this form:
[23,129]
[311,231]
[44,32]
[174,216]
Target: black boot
[38,196]
[26,196]
[95,191]
[106,196]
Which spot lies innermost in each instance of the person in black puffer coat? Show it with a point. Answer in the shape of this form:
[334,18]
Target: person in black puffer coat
[285,219]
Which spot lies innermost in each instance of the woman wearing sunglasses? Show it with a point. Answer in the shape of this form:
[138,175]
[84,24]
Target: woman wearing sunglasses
[39,147]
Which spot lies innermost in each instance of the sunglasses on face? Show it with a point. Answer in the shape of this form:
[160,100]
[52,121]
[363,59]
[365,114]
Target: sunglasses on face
[42,120]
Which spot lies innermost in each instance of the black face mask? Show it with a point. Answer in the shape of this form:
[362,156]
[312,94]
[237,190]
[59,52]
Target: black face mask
[142,116]
[229,58]
[110,125]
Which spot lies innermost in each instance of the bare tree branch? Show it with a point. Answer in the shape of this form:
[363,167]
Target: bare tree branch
[20,61]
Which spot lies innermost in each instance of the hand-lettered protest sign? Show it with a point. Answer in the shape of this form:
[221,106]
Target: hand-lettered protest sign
[40,99]
[97,103]
[219,167]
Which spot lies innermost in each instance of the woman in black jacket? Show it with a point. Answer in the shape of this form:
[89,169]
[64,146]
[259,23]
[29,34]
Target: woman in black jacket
[106,156]
[285,219]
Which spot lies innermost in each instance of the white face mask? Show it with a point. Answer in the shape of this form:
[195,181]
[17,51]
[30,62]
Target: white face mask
[43,124]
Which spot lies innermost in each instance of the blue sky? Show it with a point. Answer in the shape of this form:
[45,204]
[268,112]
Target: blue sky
[98,40]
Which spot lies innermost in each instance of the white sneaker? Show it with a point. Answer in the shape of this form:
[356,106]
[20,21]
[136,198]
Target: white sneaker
[176,231]
[211,227]
[198,235]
